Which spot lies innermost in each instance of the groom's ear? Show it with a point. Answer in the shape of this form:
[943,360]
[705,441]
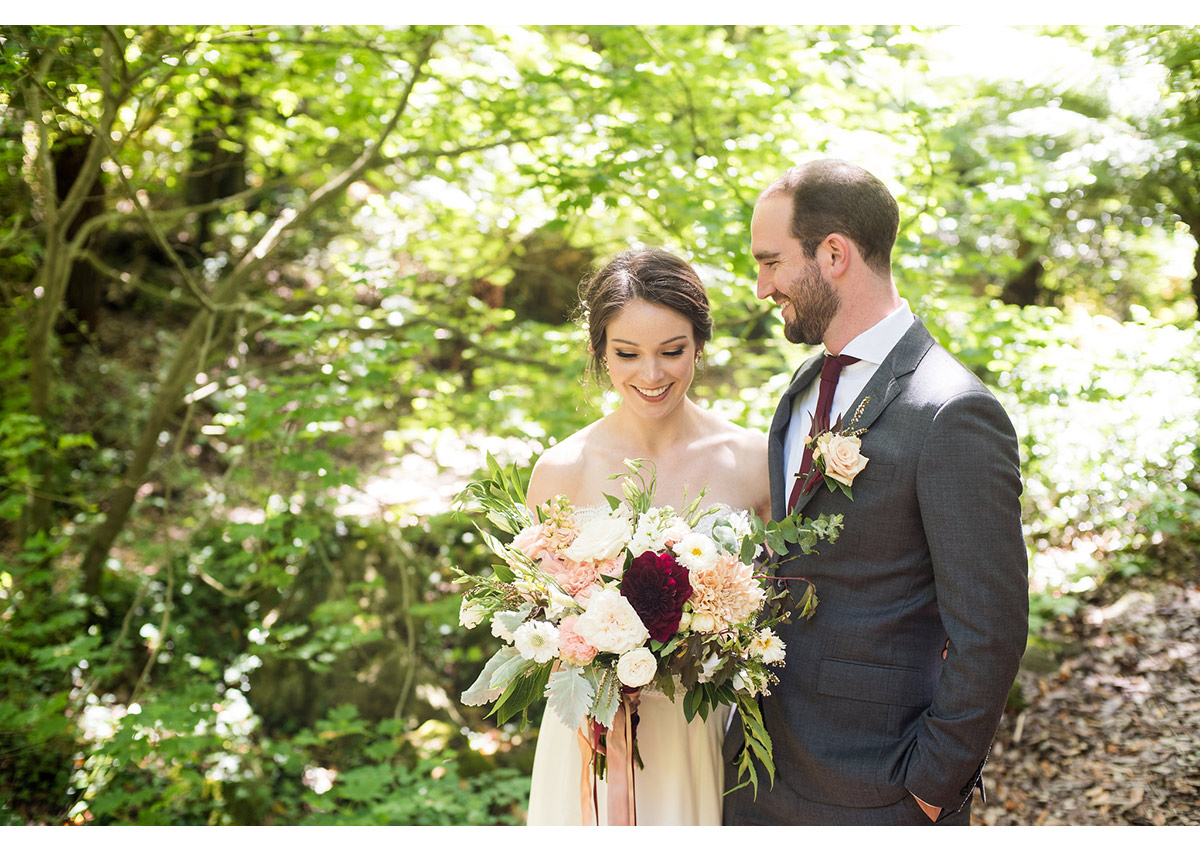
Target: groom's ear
[838,251]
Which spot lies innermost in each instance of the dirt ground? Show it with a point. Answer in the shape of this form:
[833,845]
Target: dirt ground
[1110,734]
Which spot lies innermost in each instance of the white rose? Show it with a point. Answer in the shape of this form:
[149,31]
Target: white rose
[696,552]
[601,538]
[610,624]
[637,667]
[537,641]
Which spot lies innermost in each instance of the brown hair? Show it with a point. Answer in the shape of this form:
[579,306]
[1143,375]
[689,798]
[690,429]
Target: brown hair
[834,196]
[651,275]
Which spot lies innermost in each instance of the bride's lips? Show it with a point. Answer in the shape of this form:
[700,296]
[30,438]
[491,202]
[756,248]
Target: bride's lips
[654,394]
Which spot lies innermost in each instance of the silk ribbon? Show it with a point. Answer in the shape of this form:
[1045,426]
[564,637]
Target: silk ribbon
[618,750]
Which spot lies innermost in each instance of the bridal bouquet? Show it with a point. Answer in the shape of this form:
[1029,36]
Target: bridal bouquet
[595,603]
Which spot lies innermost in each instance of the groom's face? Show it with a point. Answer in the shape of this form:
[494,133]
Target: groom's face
[807,300]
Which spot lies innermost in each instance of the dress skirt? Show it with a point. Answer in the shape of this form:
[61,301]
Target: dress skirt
[681,783]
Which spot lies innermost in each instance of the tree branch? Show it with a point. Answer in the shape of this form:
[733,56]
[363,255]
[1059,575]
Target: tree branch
[181,369]
[291,218]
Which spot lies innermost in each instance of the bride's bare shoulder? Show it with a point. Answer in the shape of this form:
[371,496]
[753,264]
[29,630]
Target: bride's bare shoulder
[560,467]
[745,442]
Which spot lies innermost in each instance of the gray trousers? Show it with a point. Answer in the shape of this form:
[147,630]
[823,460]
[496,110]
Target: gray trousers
[739,810]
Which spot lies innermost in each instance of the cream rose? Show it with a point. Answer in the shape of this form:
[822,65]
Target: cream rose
[610,624]
[843,458]
[601,538]
[637,667]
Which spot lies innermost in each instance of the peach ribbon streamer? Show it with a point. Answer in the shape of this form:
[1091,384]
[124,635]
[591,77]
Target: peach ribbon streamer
[588,805]
[622,800]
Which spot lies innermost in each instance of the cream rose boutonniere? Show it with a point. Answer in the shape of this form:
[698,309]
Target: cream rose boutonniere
[837,455]
[843,456]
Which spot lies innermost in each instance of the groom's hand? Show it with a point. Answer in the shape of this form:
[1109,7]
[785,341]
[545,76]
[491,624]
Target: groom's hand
[930,810]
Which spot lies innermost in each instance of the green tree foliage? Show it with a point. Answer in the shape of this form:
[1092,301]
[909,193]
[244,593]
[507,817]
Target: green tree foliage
[270,295]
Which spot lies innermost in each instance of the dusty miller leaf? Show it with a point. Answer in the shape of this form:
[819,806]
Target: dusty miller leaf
[570,696]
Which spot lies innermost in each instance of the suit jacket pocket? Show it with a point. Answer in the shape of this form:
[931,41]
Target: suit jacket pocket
[877,472]
[887,684]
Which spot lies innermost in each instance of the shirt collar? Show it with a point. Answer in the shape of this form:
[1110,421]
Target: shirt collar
[874,344]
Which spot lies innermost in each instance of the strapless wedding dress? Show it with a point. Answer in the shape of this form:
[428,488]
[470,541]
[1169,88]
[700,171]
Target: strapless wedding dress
[683,779]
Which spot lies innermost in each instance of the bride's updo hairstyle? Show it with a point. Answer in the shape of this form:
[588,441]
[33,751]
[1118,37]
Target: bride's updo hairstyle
[651,275]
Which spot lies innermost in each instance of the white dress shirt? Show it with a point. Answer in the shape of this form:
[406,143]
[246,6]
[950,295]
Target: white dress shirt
[870,347]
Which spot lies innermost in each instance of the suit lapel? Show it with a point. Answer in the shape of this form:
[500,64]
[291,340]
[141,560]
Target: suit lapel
[777,439]
[885,385]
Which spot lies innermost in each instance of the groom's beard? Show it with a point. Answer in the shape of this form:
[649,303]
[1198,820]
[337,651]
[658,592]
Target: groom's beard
[814,305]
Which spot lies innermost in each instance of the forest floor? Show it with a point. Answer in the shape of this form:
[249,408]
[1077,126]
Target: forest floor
[1110,730]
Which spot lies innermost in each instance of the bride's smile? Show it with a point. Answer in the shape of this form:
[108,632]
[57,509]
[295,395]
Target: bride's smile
[653,395]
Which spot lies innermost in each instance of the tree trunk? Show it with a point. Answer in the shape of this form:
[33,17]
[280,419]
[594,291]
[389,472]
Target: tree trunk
[217,171]
[52,278]
[84,291]
[185,365]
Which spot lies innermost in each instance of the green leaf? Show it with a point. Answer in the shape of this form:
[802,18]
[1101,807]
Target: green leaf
[482,691]
[528,687]
[608,697]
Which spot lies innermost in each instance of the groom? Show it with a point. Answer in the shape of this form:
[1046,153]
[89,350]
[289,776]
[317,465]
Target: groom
[885,711]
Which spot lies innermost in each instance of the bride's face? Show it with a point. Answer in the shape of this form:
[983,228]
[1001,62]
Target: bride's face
[651,354]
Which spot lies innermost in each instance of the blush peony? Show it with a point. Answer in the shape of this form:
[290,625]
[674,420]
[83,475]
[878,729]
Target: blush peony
[572,649]
[572,576]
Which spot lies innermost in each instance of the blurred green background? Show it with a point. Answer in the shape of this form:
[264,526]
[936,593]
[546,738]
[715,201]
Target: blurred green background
[269,295]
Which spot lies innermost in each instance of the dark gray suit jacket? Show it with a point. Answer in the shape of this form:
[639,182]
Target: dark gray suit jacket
[866,711]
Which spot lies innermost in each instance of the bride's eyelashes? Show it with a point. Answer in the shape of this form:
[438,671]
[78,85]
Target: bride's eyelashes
[674,353]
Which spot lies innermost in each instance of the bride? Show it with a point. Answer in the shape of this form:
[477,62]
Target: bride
[648,320]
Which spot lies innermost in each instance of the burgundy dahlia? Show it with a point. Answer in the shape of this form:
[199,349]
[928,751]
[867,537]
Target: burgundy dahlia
[657,586]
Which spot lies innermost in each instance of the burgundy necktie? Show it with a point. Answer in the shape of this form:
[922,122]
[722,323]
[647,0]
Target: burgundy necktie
[831,370]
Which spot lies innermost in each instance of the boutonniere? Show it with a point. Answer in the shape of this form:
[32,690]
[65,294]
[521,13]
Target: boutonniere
[837,455]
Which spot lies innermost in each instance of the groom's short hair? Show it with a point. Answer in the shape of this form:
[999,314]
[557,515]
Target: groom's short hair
[835,196]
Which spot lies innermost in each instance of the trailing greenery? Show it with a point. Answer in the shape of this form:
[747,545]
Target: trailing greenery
[269,296]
